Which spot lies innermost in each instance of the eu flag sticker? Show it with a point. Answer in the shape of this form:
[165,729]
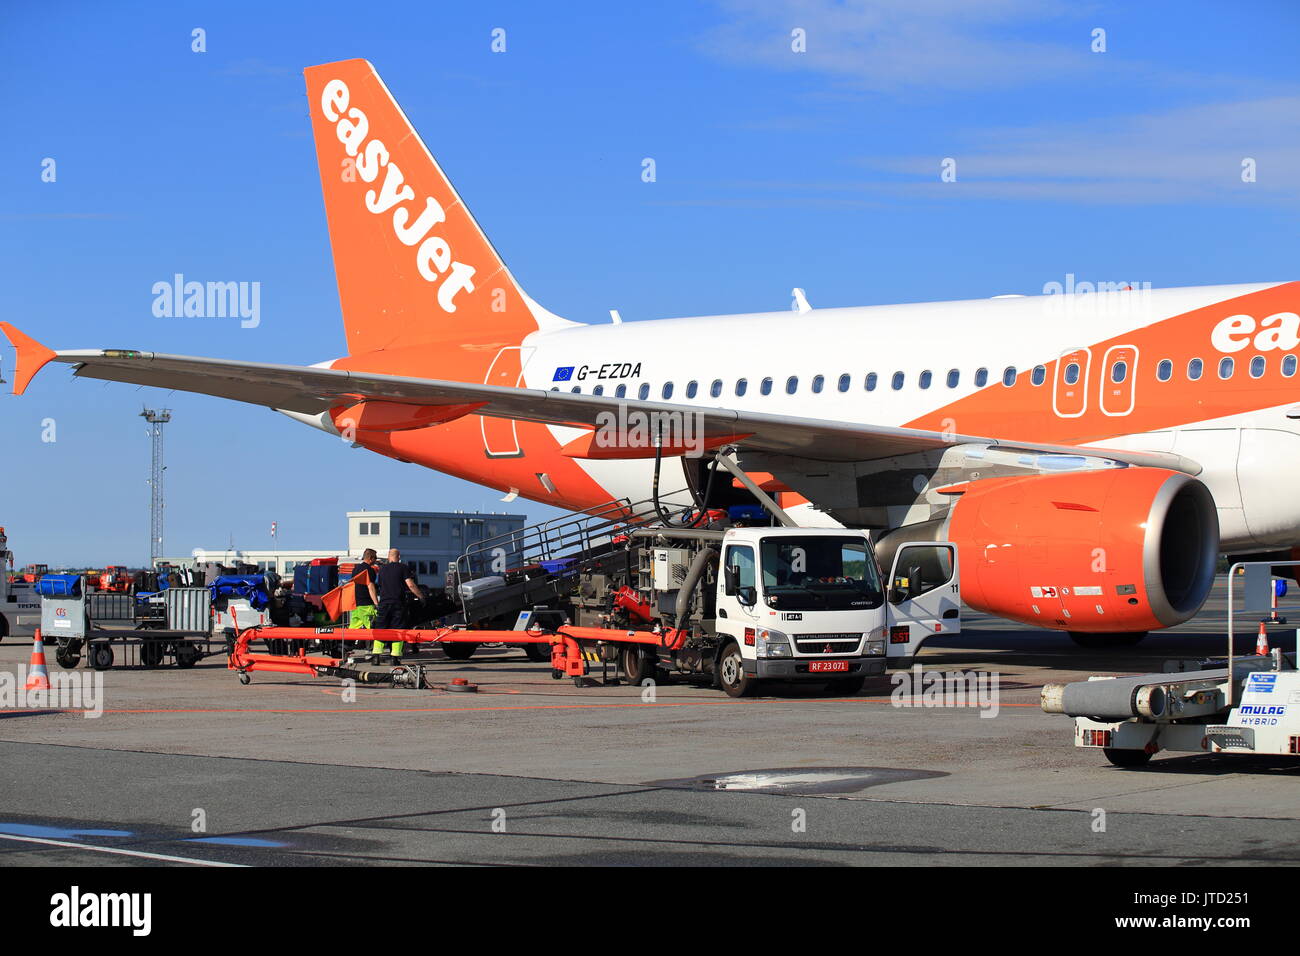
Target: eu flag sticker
[563,374]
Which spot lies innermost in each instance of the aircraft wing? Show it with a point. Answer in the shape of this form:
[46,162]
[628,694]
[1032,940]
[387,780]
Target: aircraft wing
[312,390]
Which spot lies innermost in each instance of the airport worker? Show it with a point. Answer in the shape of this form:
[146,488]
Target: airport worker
[365,593]
[395,579]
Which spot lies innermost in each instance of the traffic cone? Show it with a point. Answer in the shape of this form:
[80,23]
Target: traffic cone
[1261,642]
[38,678]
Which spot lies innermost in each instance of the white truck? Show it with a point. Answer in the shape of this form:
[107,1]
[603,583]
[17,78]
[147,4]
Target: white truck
[745,605]
[20,609]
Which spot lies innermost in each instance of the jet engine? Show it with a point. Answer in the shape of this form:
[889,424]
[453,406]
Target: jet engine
[1102,552]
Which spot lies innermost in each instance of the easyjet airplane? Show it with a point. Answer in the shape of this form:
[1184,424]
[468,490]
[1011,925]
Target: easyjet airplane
[1090,455]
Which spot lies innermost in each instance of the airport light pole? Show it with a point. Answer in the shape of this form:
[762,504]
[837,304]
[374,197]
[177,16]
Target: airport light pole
[156,420]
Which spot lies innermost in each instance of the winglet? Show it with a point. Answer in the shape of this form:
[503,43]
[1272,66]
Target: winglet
[32,356]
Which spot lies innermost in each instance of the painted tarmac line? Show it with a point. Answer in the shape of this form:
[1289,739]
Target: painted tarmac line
[117,851]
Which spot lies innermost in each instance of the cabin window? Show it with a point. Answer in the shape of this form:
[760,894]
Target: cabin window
[1257,366]
[981,377]
[817,382]
[924,379]
[576,390]
[1039,375]
[954,377]
[1072,374]
[870,383]
[792,384]
[1288,365]
[898,380]
[1165,370]
[716,388]
[620,392]
[1119,372]
[667,391]
[844,382]
[692,388]
[1225,368]
[598,390]
[1194,369]
[1009,376]
[765,387]
[742,386]
[644,391]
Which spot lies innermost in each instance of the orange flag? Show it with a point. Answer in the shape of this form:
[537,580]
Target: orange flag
[344,597]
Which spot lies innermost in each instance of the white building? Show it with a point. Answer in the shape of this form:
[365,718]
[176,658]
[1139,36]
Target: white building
[430,542]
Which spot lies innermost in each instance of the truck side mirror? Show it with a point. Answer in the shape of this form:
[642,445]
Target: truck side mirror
[731,580]
[747,596]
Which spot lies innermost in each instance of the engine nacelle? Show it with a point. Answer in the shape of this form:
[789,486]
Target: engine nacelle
[1124,549]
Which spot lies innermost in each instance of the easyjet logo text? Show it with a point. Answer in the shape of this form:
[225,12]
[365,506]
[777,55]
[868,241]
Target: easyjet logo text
[1281,330]
[433,254]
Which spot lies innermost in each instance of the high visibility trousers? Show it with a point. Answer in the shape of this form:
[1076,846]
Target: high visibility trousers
[398,647]
[363,616]
[394,616]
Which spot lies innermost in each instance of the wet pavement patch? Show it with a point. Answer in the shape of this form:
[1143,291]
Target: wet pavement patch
[799,780]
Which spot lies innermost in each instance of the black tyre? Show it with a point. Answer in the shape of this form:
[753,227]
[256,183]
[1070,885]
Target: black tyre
[1127,758]
[1107,638]
[101,657]
[458,651]
[847,686]
[152,653]
[187,655]
[538,652]
[67,659]
[637,665]
[731,673]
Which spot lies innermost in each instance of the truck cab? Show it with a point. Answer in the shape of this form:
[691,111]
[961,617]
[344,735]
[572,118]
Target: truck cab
[798,604]
[20,609]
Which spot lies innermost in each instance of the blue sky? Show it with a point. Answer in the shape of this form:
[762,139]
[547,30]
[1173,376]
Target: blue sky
[774,169]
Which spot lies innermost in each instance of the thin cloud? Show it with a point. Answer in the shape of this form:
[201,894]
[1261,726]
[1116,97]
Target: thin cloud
[1189,153]
[891,45]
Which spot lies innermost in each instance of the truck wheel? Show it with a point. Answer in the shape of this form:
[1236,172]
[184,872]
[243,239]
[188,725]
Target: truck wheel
[101,657]
[538,652]
[187,655]
[731,673]
[637,665]
[459,651]
[846,687]
[1127,758]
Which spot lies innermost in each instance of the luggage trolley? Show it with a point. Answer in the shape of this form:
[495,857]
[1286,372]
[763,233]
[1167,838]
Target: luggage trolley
[68,617]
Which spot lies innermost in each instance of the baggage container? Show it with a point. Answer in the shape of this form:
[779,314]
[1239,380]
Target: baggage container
[188,609]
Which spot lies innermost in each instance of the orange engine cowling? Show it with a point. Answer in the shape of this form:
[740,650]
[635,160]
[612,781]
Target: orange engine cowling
[1124,549]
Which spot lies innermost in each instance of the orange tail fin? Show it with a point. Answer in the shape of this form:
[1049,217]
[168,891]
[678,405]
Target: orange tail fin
[413,267]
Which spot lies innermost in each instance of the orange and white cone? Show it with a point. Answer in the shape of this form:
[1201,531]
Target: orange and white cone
[38,678]
[1261,642]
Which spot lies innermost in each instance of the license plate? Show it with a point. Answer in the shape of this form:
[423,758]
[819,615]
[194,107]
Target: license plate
[822,667]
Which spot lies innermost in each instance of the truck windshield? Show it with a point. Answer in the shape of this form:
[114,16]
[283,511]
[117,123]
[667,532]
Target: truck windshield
[819,572]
